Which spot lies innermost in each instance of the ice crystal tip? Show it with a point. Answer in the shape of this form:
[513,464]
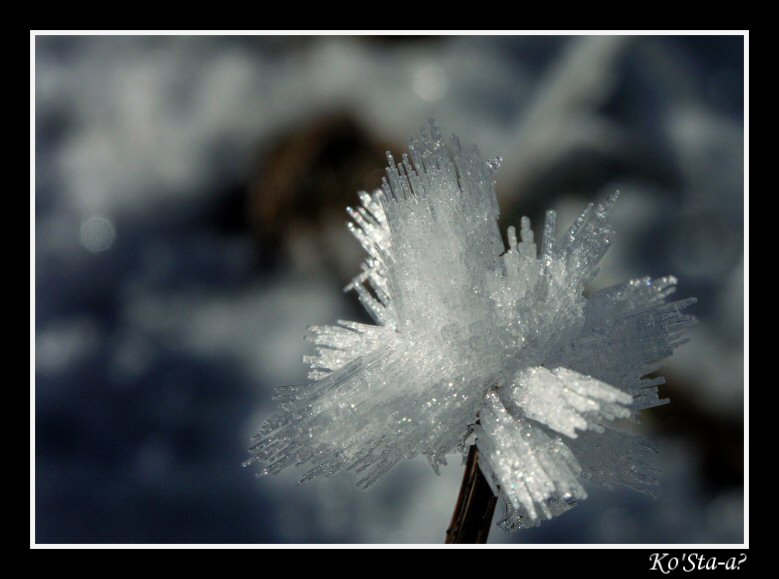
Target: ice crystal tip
[476,342]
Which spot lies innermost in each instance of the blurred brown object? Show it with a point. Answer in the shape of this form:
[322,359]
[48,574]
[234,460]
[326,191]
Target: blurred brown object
[304,183]
[719,440]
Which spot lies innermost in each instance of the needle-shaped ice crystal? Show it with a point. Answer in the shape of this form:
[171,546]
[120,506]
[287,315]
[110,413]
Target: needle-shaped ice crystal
[476,342]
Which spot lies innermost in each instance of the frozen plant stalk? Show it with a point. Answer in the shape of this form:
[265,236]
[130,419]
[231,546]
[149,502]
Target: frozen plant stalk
[478,343]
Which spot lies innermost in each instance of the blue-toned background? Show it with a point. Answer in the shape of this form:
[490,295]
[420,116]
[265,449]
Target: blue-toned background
[190,224]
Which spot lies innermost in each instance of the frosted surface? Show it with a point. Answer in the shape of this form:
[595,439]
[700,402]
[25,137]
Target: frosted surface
[479,342]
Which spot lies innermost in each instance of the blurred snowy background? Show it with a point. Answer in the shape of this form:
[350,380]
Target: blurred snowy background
[190,224]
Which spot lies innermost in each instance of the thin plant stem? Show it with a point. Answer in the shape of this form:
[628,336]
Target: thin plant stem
[472,517]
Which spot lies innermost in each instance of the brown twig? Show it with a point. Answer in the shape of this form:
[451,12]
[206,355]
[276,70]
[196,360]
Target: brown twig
[472,517]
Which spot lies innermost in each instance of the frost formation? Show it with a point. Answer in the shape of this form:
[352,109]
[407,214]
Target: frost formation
[476,342]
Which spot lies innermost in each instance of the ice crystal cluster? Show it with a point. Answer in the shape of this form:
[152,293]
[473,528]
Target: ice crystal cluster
[476,342]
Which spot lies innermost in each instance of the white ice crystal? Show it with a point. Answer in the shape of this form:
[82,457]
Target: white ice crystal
[476,342]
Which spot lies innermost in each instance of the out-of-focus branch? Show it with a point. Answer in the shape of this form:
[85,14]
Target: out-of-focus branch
[472,517]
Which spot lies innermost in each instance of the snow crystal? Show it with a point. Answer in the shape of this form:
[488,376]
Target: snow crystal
[476,342]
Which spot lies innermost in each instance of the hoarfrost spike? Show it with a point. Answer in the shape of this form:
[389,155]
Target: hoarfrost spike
[473,339]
